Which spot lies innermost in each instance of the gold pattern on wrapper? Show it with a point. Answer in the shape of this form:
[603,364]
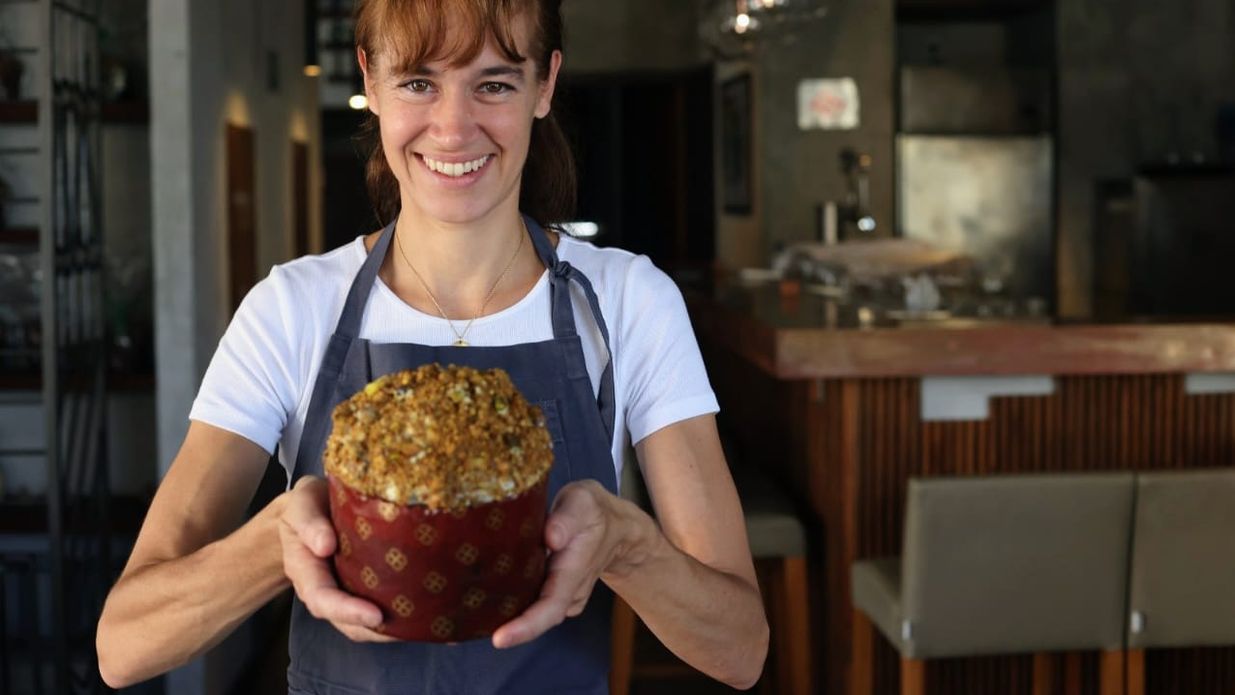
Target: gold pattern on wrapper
[442,627]
[396,559]
[474,598]
[402,605]
[387,510]
[495,520]
[503,564]
[434,582]
[426,534]
[467,554]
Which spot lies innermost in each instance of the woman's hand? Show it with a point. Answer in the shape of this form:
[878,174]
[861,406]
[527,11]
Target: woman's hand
[589,533]
[308,540]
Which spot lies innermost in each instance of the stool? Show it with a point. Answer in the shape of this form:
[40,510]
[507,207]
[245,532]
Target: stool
[1183,565]
[1000,565]
[778,543]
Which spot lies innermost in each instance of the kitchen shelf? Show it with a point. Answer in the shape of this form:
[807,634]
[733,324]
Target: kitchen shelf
[111,112]
[23,236]
[117,382]
[19,111]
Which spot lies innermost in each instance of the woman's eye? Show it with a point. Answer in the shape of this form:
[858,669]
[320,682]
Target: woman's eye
[495,88]
[419,85]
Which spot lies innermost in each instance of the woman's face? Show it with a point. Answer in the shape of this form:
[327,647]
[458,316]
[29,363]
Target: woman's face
[456,138]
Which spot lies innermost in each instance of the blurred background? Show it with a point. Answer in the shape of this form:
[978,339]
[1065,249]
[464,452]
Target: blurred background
[881,165]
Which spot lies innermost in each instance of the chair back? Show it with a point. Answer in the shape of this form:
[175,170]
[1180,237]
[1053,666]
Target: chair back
[1183,560]
[1016,563]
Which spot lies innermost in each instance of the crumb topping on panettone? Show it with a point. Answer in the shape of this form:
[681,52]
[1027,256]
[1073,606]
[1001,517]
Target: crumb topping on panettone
[447,438]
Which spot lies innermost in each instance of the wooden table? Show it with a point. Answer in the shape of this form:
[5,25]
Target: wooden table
[847,414]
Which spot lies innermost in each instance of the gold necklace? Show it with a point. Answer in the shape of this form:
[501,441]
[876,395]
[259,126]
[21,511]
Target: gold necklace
[459,341]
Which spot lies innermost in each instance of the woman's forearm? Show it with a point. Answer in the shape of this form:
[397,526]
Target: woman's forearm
[710,619]
[162,615]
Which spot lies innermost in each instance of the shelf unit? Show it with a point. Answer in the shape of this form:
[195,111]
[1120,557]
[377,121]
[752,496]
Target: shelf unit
[58,560]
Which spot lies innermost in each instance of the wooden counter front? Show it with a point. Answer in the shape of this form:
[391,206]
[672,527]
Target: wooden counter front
[837,414]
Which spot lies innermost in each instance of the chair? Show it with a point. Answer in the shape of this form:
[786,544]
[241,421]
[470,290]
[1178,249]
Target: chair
[1183,565]
[1000,565]
[778,543]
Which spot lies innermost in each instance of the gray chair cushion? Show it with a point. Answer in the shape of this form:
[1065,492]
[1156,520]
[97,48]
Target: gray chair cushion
[1008,564]
[772,523]
[876,589]
[1183,560]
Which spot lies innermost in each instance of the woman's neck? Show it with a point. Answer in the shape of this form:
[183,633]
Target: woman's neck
[459,265]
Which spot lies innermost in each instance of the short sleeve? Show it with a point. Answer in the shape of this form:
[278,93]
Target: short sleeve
[659,364]
[251,386]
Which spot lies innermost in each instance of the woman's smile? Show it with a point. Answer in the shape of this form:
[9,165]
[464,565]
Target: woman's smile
[456,171]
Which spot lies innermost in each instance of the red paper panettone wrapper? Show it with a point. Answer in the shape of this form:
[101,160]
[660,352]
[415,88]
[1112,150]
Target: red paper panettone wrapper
[441,576]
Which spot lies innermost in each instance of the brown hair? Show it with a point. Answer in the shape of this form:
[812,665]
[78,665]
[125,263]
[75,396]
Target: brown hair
[413,32]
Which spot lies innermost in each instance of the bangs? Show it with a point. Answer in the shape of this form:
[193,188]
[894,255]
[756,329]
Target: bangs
[408,34]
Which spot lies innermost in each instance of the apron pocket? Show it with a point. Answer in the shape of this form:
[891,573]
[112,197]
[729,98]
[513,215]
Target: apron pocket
[553,421]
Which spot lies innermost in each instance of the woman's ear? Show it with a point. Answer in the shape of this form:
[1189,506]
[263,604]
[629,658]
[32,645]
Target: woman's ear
[544,101]
[369,91]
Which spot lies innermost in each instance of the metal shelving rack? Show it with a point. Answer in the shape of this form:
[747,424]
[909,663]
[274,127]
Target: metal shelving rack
[62,579]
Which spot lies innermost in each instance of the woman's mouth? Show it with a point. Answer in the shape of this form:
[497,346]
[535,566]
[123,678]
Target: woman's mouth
[459,171]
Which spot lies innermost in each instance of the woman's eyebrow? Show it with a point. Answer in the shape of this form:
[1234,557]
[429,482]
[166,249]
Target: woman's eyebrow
[508,71]
[503,71]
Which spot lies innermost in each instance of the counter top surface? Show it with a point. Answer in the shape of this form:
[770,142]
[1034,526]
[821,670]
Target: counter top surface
[805,334]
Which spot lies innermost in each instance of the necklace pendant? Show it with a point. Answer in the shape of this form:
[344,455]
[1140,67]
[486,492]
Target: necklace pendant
[460,343]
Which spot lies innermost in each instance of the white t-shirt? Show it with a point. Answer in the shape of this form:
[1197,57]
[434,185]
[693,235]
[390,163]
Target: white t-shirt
[261,377]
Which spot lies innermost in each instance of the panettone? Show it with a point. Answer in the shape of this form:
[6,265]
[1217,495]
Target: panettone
[438,481]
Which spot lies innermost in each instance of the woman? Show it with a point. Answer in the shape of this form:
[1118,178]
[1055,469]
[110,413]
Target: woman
[462,93]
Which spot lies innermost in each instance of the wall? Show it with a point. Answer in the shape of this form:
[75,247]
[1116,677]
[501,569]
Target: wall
[208,67]
[739,238]
[629,36]
[795,170]
[1138,80]
[801,169]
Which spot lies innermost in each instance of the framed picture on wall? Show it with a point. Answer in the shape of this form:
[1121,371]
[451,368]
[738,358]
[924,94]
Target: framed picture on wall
[736,144]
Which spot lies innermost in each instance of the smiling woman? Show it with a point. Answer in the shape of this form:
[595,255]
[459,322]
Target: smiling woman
[399,41]
[469,171]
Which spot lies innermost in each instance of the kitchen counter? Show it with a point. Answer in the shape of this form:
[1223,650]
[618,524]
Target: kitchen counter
[807,335]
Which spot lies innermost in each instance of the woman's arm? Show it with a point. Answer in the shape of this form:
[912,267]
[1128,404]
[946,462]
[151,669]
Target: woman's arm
[691,579]
[196,572]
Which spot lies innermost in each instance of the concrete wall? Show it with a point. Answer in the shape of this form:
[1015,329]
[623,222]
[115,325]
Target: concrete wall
[1138,80]
[630,36]
[801,169]
[209,64]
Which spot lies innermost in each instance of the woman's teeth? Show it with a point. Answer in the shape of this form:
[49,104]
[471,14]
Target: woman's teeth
[456,168]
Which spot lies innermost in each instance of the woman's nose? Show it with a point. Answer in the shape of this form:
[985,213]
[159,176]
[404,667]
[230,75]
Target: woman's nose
[453,121]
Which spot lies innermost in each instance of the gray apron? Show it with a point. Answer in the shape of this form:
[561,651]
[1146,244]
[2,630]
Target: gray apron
[570,658]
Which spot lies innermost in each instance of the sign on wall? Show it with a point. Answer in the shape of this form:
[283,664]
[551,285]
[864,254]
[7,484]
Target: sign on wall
[828,104]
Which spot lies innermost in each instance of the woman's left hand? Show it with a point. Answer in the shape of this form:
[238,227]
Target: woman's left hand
[589,532]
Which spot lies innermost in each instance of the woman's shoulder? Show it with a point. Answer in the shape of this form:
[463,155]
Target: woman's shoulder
[613,271]
[305,285]
[342,262]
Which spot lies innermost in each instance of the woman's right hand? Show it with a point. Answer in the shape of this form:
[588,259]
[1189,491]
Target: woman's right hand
[308,540]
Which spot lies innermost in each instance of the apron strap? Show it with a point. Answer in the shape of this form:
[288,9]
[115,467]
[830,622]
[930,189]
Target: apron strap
[605,398]
[561,273]
[317,420]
